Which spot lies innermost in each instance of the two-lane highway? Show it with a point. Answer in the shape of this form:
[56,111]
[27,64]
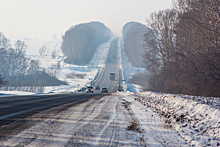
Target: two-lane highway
[111,67]
[92,119]
[15,107]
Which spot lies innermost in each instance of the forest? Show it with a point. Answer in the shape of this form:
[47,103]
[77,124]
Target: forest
[133,42]
[182,50]
[81,41]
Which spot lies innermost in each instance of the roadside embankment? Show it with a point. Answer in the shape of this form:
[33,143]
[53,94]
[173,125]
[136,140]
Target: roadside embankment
[197,119]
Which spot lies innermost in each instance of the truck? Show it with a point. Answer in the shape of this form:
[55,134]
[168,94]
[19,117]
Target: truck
[112,76]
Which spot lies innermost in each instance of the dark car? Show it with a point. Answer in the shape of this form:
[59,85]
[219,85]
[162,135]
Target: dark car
[83,89]
[97,87]
[104,90]
[89,89]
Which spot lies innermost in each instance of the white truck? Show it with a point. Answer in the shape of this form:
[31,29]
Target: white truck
[112,76]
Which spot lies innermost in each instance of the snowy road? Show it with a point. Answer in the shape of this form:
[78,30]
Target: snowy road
[112,120]
[12,108]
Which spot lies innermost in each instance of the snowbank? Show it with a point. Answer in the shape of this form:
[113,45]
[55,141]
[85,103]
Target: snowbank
[9,93]
[197,122]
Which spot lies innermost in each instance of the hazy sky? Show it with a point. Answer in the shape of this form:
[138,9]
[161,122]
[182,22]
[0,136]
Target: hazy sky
[25,18]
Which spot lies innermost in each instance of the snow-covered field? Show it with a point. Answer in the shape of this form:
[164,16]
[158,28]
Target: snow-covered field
[89,71]
[65,69]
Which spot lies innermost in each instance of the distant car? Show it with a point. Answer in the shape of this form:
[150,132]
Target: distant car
[83,89]
[104,90]
[89,89]
[97,87]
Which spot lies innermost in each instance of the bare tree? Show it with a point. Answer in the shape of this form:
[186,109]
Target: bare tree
[182,49]
[42,50]
[160,45]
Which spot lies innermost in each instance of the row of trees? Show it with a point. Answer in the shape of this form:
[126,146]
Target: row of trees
[81,41]
[18,70]
[183,48]
[133,42]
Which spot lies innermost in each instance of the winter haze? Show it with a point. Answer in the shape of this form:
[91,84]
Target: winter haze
[43,18]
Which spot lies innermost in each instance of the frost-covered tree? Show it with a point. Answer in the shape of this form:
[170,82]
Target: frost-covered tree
[4,42]
[19,71]
[133,42]
[81,41]
[42,50]
[20,46]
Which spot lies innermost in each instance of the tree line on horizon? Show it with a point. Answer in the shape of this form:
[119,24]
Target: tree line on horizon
[81,41]
[132,34]
[182,49]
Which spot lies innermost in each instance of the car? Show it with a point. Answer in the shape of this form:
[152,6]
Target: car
[104,90]
[89,89]
[83,89]
[97,87]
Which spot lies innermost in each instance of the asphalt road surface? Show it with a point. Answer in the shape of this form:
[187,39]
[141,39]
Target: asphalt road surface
[15,107]
[93,119]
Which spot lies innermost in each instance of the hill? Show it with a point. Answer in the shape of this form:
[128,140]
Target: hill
[81,41]
[133,42]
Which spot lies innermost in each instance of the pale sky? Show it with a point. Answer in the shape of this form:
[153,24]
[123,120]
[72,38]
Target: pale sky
[26,18]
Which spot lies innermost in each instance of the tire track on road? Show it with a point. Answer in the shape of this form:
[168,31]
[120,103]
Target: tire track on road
[61,127]
[113,111]
[153,124]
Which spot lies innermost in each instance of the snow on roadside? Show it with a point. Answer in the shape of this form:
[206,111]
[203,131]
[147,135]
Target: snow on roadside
[152,127]
[10,93]
[46,62]
[128,69]
[96,122]
[197,123]
[101,53]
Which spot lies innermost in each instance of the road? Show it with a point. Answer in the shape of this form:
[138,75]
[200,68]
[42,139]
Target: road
[114,119]
[12,107]
[22,106]
[111,66]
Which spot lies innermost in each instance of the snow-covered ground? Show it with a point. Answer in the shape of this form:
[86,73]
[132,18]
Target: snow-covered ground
[89,70]
[66,70]
[128,70]
[197,119]
[170,119]
[112,120]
